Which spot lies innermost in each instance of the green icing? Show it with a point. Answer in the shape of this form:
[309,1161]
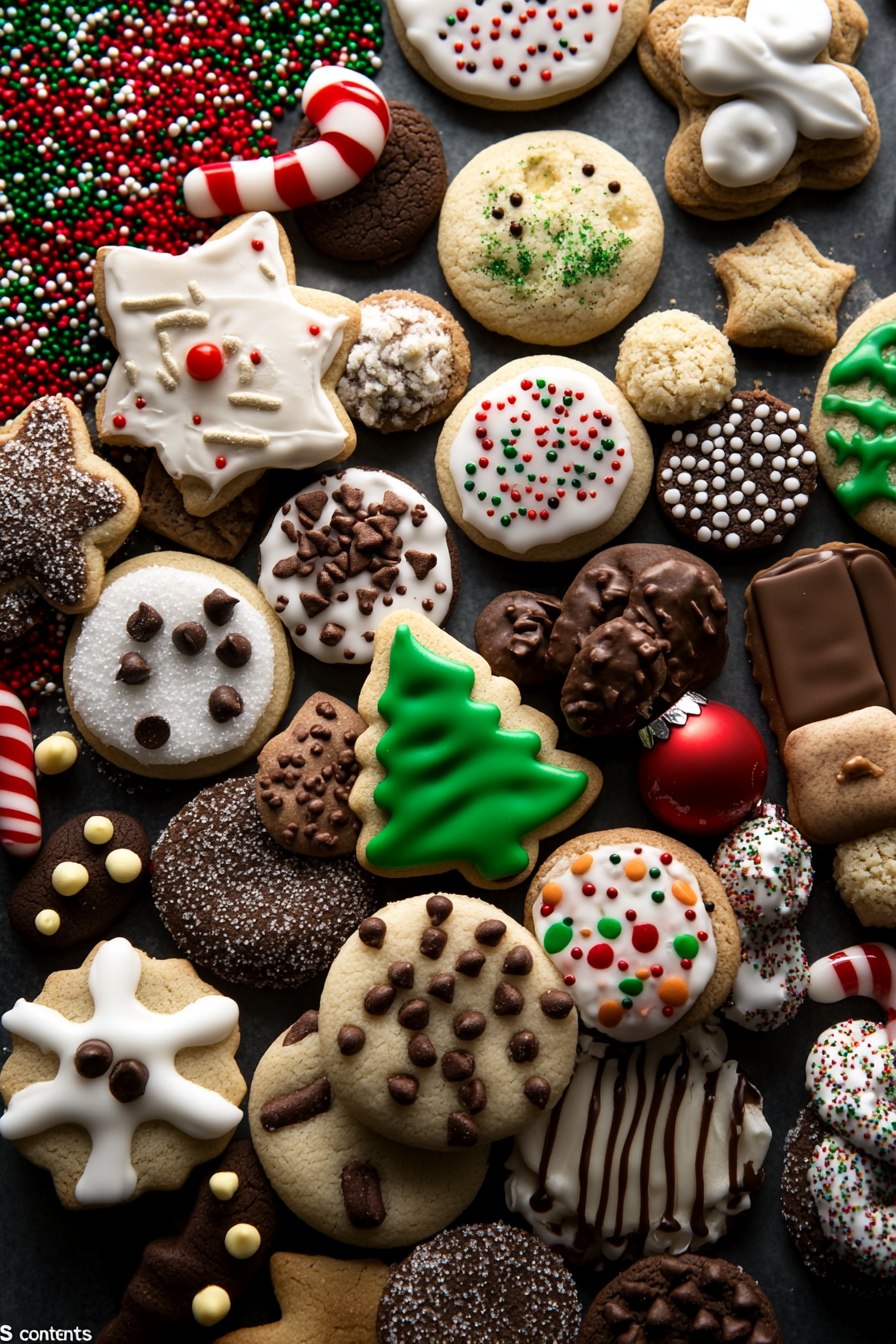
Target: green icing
[875,452]
[631,987]
[609,928]
[686,945]
[458,787]
[557,937]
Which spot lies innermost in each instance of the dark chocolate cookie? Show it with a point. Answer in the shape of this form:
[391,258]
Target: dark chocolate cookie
[513,633]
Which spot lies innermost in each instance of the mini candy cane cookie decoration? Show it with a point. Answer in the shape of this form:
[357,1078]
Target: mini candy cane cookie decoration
[354,121]
[20,828]
[866,969]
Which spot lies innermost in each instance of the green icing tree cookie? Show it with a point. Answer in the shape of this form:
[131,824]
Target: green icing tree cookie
[876,453]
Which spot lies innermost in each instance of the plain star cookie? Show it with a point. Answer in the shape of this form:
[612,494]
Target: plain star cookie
[551,237]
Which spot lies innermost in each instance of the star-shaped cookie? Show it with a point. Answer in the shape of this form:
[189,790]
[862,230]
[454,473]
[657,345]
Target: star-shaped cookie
[321,1299]
[63,510]
[782,292]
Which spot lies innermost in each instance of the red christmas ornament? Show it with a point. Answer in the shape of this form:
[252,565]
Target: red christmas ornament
[705,767]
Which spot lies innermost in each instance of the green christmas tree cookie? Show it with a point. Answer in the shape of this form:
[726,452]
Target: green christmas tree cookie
[455,772]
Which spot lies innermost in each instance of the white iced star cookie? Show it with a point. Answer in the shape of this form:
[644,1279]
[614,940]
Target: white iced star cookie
[225,367]
[122,1077]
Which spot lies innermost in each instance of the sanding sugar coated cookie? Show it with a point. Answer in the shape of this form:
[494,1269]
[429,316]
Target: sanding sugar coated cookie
[551,237]
[544,460]
[444,1025]
[181,669]
[516,56]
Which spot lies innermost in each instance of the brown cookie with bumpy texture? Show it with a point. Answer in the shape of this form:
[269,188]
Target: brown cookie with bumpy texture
[675,1299]
[385,216]
[208,1266]
[87,872]
[320,1298]
[220,536]
[512,634]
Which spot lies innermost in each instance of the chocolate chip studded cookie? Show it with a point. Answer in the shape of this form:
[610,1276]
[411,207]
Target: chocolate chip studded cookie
[443,1024]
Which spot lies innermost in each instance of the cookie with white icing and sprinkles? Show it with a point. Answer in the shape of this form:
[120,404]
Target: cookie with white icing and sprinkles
[444,1025]
[543,460]
[741,478]
[640,928]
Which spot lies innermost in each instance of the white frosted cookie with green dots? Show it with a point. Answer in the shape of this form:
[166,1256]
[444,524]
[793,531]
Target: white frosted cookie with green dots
[640,928]
[444,1025]
[551,237]
[544,460]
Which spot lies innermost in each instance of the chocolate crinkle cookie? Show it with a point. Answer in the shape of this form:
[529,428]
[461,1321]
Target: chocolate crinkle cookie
[484,1282]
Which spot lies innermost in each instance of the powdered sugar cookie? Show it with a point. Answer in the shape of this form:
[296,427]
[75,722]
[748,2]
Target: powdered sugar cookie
[543,460]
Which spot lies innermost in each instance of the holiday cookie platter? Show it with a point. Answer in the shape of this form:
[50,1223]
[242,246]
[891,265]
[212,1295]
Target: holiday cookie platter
[67,1268]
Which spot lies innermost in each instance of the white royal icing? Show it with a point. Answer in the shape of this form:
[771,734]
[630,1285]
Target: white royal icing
[851,1074]
[541,458]
[266,407]
[517,51]
[855,1199]
[179,685]
[627,929]
[768,58]
[133,1032]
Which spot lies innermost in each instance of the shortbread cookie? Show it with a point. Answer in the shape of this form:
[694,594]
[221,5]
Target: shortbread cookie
[455,771]
[487,1281]
[853,418]
[551,237]
[841,775]
[84,877]
[444,1025]
[337,556]
[640,928]
[224,367]
[320,1299]
[121,1077]
[543,460]
[534,56]
[513,634]
[782,293]
[219,536]
[181,669]
[654,1148]
[865,874]
[305,776]
[740,479]
[237,903]
[673,366]
[409,366]
[768,100]
[63,510]
[334,1173]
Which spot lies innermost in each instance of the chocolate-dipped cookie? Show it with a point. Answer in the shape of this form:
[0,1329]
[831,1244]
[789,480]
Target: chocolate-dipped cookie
[513,633]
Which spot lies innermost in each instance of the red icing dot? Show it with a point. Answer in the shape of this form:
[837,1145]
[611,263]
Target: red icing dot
[255,356]
[119,421]
[667,1011]
[569,979]
[686,963]
[703,935]
[257,245]
[690,914]
[612,892]
[139,403]
[314,329]
[547,910]
[576,954]
[656,971]
[588,888]
[220,463]
[622,964]
[600,956]
[665,858]
[197,419]
[645,937]
[204,361]
[631,916]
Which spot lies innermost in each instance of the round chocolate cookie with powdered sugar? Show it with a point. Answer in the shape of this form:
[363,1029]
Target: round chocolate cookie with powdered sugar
[339,555]
[237,903]
[741,478]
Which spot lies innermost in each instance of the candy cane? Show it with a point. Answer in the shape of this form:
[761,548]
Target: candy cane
[20,829]
[866,969]
[354,121]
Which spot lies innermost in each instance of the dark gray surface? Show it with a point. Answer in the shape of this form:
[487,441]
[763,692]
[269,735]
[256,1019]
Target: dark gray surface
[68,1270]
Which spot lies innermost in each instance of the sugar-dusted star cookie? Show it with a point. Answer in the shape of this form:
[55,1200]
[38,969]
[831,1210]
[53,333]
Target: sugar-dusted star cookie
[320,1299]
[224,367]
[63,510]
[782,292]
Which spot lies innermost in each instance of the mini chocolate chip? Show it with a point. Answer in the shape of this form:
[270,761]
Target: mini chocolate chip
[672,1270]
[439,908]
[518,961]
[660,1318]
[401,974]
[414,1014]
[292,1108]
[516,229]
[470,963]
[508,1001]
[617,1315]
[306,1025]
[587,169]
[350,1039]
[763,1335]
[490,932]
[234,650]
[734,1328]
[473,1095]
[457,1065]
[403,1088]
[714,1279]
[705,1325]
[422,1052]
[432,943]
[92,1058]
[128,1080]
[468,1025]
[152,731]
[614,187]
[218,606]
[225,703]
[523,1047]
[461,1131]
[745,1301]
[143,623]
[687,1297]
[134,669]
[378,1000]
[516,198]
[497,213]
[442,987]
[638,1293]
[537,1090]
[709,906]
[372,931]
[189,638]
[362,1195]
[556,1003]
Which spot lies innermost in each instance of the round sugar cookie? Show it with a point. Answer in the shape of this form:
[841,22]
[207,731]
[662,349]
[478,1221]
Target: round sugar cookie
[443,1024]
[551,237]
[181,669]
[543,460]
[333,1172]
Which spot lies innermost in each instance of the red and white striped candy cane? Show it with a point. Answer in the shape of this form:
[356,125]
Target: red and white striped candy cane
[20,829]
[353,119]
[866,969]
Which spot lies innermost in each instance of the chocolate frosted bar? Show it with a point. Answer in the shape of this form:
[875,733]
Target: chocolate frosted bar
[821,633]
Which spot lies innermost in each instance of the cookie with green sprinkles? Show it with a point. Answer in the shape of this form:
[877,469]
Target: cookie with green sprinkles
[551,237]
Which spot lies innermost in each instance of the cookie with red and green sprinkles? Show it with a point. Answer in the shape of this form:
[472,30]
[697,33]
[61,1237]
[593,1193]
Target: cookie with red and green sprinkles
[640,928]
[544,460]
